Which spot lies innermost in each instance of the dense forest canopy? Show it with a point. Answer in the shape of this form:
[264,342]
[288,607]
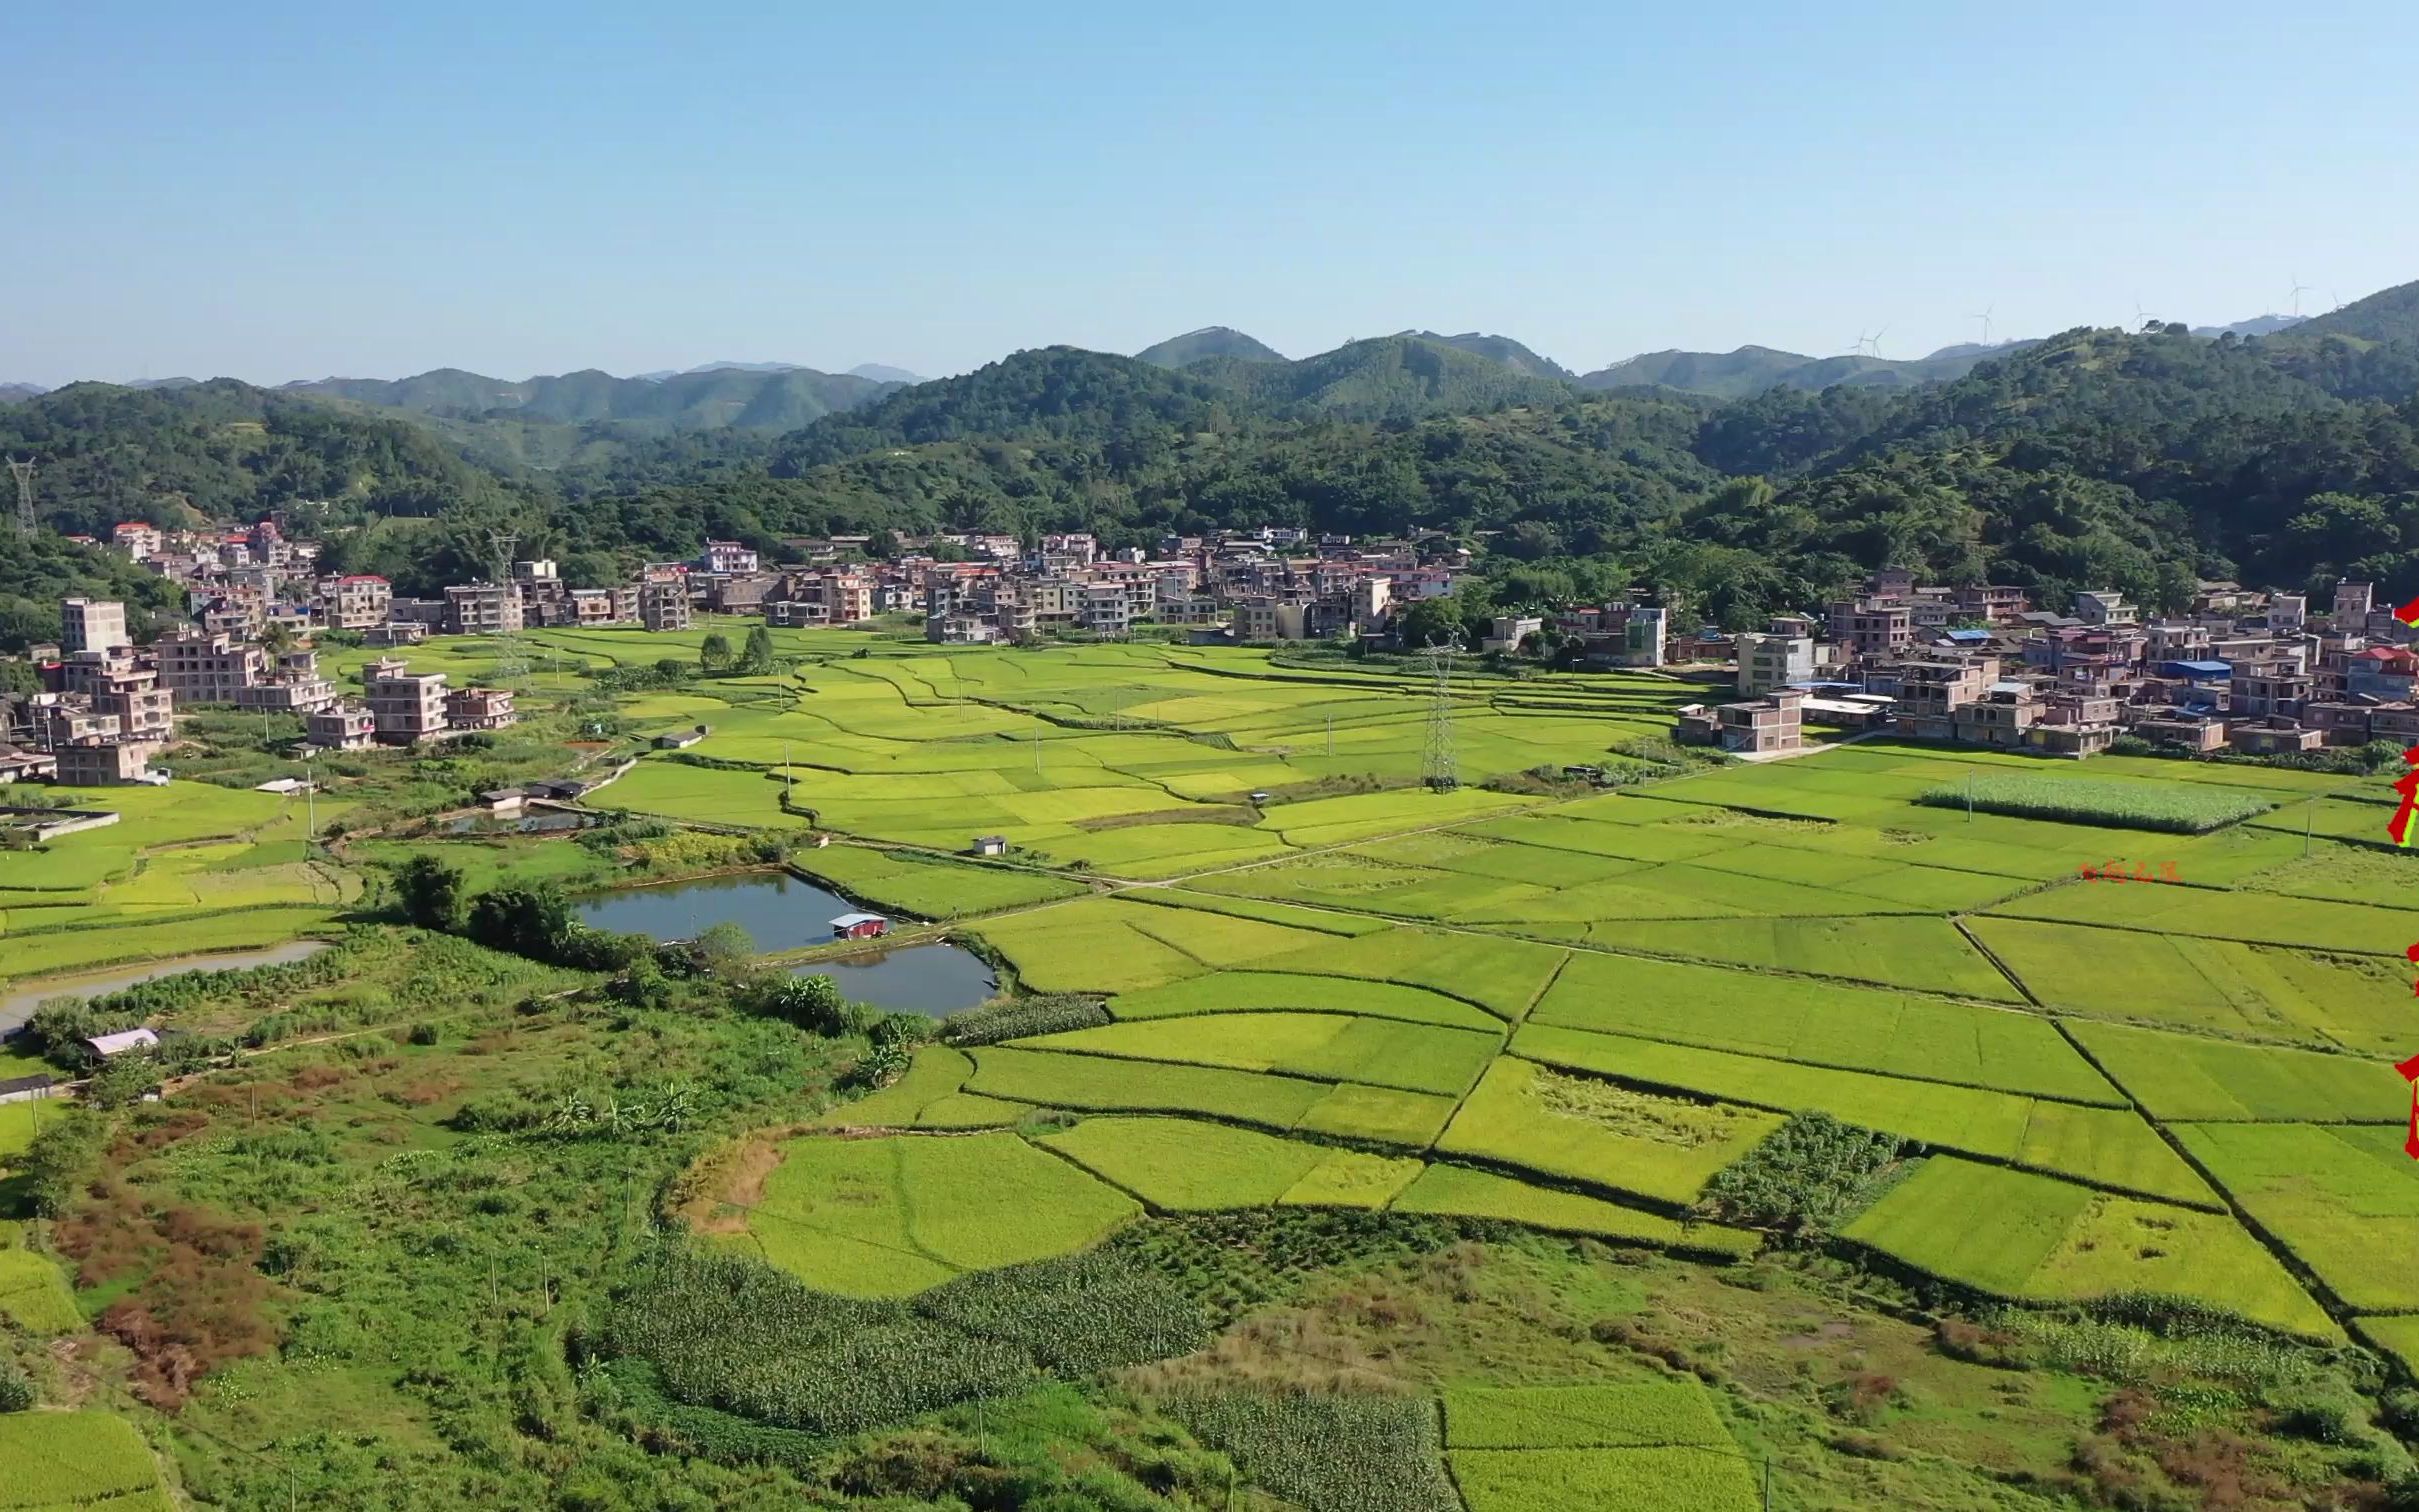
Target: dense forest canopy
[2095,458]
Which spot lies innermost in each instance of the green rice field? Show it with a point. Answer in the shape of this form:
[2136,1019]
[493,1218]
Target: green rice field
[1331,993]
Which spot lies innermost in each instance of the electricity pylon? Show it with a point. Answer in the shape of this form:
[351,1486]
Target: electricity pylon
[1438,770]
[512,663]
[24,474]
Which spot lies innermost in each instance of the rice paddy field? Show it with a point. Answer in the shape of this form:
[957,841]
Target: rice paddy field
[2131,1022]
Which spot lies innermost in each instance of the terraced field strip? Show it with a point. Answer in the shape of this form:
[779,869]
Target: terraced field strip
[2026,1237]
[2107,1147]
[2343,1201]
[1381,1052]
[896,1215]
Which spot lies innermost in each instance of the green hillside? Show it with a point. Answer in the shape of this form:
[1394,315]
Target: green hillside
[1389,378]
[727,396]
[1209,341]
[2387,315]
[1502,350]
[222,450]
[1752,369]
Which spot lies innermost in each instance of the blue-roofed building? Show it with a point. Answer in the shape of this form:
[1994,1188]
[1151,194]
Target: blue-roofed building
[2197,671]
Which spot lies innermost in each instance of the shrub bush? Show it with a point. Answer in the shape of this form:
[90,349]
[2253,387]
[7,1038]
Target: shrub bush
[16,1387]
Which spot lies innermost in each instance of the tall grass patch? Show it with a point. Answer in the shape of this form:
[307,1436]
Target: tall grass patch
[2166,807]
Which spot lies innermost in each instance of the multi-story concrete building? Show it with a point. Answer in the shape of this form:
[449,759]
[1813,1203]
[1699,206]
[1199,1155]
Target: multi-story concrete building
[356,601]
[2003,716]
[341,727]
[482,609]
[104,763]
[1991,603]
[1754,726]
[1768,663]
[723,557]
[115,683]
[205,667]
[2385,673]
[1874,630]
[2105,609]
[92,625]
[603,606]
[1645,634]
[2268,692]
[405,706]
[1106,608]
[479,709]
[1932,690]
[289,683]
[663,604]
[138,540]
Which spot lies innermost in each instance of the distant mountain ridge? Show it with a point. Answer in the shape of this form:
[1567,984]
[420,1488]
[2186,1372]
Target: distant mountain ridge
[1385,378]
[1753,369]
[1503,350]
[1208,342]
[2387,315]
[2257,325]
[760,397]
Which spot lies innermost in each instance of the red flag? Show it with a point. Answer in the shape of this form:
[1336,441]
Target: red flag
[2410,1073]
[2408,613]
[2398,828]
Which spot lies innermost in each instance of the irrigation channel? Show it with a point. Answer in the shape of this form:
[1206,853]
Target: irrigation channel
[20,1004]
[781,912]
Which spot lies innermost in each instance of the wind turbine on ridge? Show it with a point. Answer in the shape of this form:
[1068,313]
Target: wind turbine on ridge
[1985,318]
[2299,289]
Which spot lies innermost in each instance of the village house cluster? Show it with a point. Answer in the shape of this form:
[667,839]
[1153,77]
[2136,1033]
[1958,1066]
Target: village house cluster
[1273,584]
[2244,670]
[108,707]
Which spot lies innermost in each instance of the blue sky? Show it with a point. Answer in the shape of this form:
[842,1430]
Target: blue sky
[281,191]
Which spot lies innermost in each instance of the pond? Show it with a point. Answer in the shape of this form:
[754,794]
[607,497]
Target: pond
[779,911]
[21,1001]
[782,912]
[929,979]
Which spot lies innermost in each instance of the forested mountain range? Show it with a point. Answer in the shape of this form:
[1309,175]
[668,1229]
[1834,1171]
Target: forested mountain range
[747,396]
[2138,460]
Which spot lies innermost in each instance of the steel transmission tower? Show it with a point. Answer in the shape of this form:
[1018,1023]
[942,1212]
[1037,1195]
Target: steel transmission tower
[1437,768]
[24,474]
[512,662]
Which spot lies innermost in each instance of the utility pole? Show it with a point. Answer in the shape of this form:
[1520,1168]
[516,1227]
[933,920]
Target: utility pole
[24,474]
